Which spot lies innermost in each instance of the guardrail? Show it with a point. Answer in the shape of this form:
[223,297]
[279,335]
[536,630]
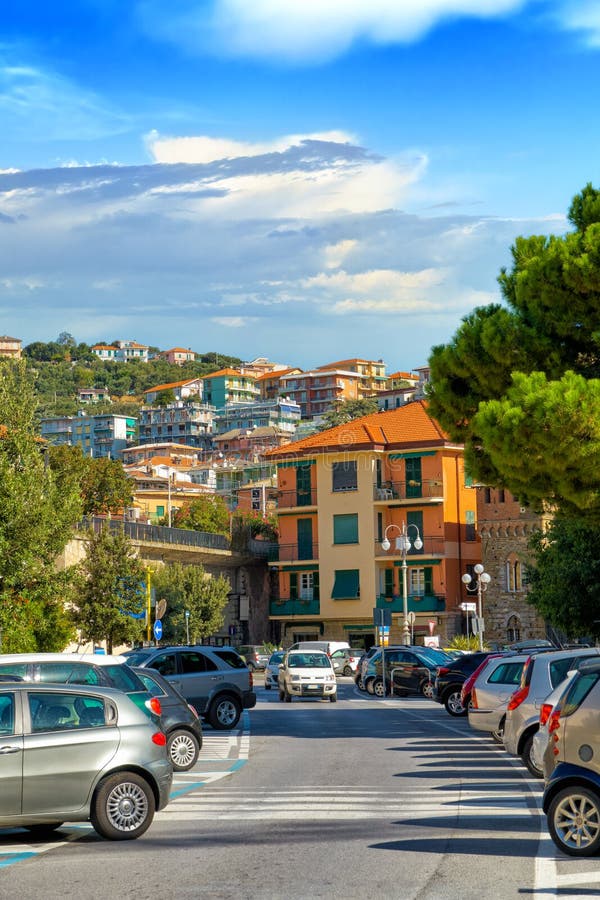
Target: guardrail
[138,531]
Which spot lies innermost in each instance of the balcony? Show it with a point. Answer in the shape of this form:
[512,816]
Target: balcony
[284,606]
[294,552]
[432,546]
[299,498]
[417,603]
[429,490]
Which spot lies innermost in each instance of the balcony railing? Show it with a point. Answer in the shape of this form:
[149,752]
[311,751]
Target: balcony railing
[138,531]
[432,546]
[417,603]
[293,552]
[428,489]
[285,606]
[289,499]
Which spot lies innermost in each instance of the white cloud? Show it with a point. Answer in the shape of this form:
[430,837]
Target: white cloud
[232,321]
[582,16]
[204,149]
[335,254]
[303,31]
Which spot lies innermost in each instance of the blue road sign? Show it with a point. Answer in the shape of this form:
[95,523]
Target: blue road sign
[157,629]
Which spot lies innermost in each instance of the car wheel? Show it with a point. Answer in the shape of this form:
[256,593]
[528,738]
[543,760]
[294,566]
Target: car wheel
[183,749]
[225,712]
[379,688]
[347,670]
[333,698]
[427,689]
[123,807]
[288,697]
[528,759]
[574,821]
[454,705]
[43,828]
[369,686]
[498,734]
[267,686]
[360,683]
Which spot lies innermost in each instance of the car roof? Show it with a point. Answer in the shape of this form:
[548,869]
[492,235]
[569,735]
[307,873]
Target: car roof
[99,659]
[48,687]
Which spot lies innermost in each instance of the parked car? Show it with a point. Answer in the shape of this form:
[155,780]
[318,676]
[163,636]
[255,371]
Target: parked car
[361,669]
[465,691]
[411,669]
[255,655]
[179,720]
[215,680]
[345,662]
[307,673]
[450,678]
[78,668]
[572,795]
[542,735]
[492,691]
[541,674]
[272,670]
[327,647]
[73,753]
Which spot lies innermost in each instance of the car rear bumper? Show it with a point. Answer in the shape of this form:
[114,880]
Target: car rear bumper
[248,699]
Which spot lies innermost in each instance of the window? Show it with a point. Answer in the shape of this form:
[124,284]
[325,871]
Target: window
[196,662]
[470,525]
[344,476]
[487,495]
[7,713]
[388,589]
[346,585]
[230,657]
[514,574]
[501,495]
[345,529]
[160,511]
[421,582]
[513,629]
[507,673]
[306,585]
[58,711]
[560,667]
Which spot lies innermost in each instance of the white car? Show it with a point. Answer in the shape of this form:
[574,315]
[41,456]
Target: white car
[307,673]
[345,662]
[272,670]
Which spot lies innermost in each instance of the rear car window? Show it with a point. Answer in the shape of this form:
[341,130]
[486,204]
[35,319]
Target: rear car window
[123,678]
[232,658]
[559,669]
[506,673]
[15,669]
[578,691]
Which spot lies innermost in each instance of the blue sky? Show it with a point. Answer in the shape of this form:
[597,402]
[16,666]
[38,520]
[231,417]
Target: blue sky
[304,179]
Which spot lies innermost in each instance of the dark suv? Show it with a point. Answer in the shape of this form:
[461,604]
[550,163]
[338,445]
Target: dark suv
[450,679]
[215,680]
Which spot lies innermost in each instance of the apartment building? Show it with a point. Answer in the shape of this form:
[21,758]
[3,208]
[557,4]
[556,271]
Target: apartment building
[178,355]
[269,384]
[121,351]
[318,391]
[100,435]
[372,374]
[10,347]
[341,493]
[186,422]
[180,390]
[229,386]
[281,414]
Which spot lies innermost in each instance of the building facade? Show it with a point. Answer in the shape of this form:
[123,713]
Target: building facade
[184,422]
[121,351]
[229,386]
[372,374]
[10,347]
[178,355]
[343,491]
[281,414]
[318,391]
[100,435]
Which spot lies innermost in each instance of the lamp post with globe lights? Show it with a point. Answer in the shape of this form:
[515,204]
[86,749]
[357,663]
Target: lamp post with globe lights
[481,582]
[403,544]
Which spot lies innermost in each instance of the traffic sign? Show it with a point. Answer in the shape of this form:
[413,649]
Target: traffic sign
[432,627]
[157,630]
[410,618]
[161,608]
[468,607]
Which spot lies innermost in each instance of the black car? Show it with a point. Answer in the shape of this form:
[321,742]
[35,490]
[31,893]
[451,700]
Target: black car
[450,679]
[178,720]
[408,670]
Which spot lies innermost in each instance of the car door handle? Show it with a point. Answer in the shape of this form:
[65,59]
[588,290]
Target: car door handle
[6,750]
[216,678]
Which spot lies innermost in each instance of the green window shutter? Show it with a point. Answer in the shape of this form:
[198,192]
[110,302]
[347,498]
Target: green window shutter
[160,510]
[316,586]
[346,585]
[415,518]
[345,529]
[389,582]
[428,573]
[470,525]
[293,585]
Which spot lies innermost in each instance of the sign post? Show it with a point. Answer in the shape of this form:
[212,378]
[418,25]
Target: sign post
[382,619]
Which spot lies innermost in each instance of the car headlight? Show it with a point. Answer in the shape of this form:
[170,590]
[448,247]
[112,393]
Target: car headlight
[330,678]
[295,678]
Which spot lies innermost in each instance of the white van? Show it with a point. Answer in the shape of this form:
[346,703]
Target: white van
[328,647]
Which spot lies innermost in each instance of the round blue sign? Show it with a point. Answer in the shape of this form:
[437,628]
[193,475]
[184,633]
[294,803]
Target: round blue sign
[157,629]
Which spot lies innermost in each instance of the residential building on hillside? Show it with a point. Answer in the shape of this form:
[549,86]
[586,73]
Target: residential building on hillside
[121,351]
[401,379]
[100,435]
[179,455]
[505,527]
[157,497]
[318,391]
[251,442]
[281,414]
[229,386]
[178,355]
[185,422]
[10,347]
[93,395]
[342,492]
[424,374]
[181,390]
[261,366]
[392,399]
[269,384]
[372,374]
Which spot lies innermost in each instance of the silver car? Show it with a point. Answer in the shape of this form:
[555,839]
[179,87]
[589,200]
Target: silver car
[542,673]
[272,670]
[492,691]
[542,735]
[73,753]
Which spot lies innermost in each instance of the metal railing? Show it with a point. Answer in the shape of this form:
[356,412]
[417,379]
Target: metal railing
[432,546]
[426,489]
[290,499]
[294,553]
[138,531]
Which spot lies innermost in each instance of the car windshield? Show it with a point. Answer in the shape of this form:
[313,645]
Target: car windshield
[437,657]
[137,658]
[276,658]
[309,661]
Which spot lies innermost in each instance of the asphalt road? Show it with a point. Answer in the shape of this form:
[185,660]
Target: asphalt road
[364,799]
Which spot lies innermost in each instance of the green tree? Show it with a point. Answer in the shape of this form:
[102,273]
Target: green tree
[103,483]
[38,509]
[111,590]
[191,588]
[208,513]
[565,578]
[347,410]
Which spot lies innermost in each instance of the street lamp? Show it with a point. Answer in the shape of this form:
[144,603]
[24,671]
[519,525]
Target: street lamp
[403,544]
[187,627]
[481,583]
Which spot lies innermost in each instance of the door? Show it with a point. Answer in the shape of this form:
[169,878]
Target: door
[303,492]
[199,676]
[305,538]
[11,757]
[406,676]
[413,477]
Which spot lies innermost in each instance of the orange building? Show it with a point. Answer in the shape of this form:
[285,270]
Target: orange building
[317,391]
[372,374]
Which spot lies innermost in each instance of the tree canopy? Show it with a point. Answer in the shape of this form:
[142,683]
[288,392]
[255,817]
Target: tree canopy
[190,588]
[208,513]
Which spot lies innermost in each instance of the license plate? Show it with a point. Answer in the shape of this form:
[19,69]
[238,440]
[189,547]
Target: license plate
[312,687]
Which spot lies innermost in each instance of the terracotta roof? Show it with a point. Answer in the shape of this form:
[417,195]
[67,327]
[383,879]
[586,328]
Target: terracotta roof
[228,372]
[174,384]
[406,375]
[179,350]
[277,374]
[410,424]
[355,359]
[104,347]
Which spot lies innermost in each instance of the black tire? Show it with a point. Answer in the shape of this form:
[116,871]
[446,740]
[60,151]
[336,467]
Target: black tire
[288,696]
[498,734]
[183,748]
[453,703]
[360,683]
[42,829]
[577,838]
[369,685]
[347,670]
[267,687]
[333,698]
[528,759]
[379,689]
[225,712]
[123,807]
[281,696]
[426,688]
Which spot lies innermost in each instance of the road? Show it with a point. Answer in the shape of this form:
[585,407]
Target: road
[365,798]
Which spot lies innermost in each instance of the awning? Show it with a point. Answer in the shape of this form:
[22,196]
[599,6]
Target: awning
[346,586]
[296,464]
[413,454]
